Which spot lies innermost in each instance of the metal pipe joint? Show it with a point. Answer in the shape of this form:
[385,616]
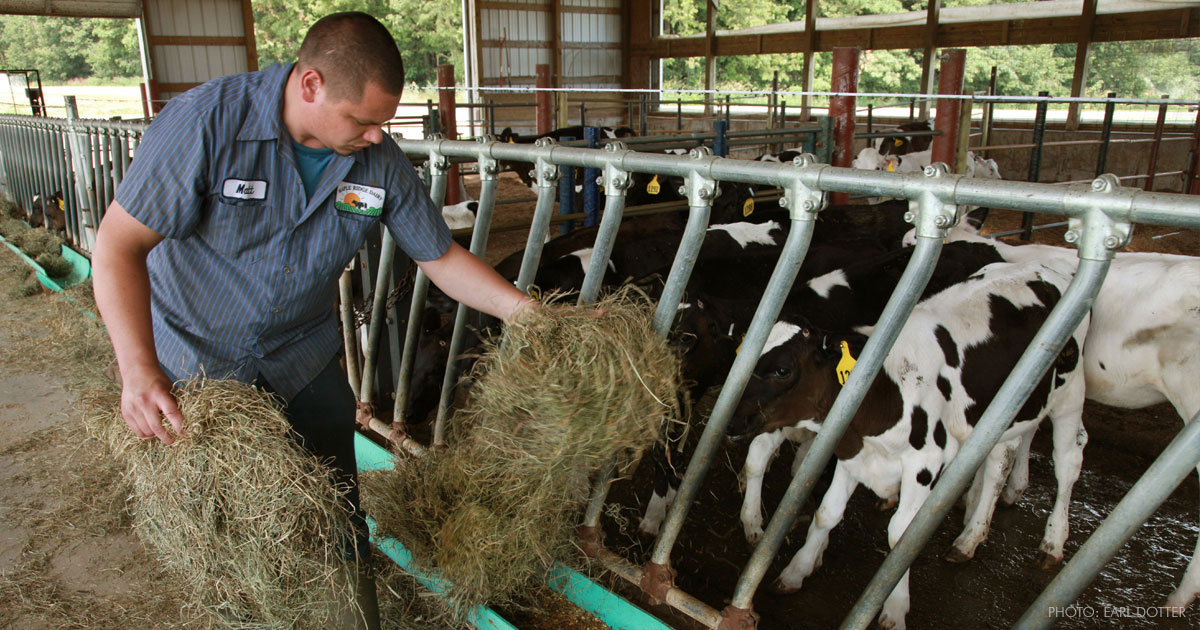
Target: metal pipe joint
[932,209]
[1092,227]
[800,194]
[614,179]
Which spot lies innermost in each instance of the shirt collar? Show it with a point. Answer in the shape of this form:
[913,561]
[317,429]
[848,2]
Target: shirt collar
[265,118]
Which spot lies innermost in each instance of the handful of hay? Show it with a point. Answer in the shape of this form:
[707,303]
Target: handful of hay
[250,522]
[560,394]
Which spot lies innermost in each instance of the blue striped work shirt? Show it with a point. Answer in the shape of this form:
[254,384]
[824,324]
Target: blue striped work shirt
[245,280]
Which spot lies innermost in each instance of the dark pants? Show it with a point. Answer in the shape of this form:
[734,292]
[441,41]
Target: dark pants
[323,416]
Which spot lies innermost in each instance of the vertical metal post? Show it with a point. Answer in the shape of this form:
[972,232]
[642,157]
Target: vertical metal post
[590,190]
[870,119]
[1035,160]
[83,176]
[492,116]
[546,176]
[583,114]
[727,111]
[720,141]
[642,113]
[544,102]
[1192,180]
[383,275]
[349,331]
[774,99]
[566,193]
[679,114]
[950,83]
[1152,168]
[986,125]
[841,110]
[446,114]
[1175,463]
[1106,133]
[488,170]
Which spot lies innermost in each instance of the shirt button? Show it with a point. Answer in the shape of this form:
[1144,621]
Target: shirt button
[287,270]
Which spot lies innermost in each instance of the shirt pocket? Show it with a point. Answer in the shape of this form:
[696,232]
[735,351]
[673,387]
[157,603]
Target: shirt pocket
[238,229]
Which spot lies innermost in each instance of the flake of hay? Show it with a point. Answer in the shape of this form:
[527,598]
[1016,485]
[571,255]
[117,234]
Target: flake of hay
[562,393]
[55,265]
[251,524]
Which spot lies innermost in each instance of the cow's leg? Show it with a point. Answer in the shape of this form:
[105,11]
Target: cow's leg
[665,483]
[829,514]
[1069,439]
[762,449]
[994,471]
[915,483]
[1018,479]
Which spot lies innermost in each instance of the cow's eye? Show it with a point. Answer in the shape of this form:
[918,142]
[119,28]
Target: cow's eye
[781,373]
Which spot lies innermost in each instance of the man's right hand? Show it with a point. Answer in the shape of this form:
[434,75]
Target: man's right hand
[146,398]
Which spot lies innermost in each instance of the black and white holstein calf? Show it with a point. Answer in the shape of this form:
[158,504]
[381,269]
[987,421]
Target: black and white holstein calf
[949,361]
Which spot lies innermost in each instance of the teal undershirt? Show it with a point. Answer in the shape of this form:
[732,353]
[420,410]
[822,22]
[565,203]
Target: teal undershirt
[312,163]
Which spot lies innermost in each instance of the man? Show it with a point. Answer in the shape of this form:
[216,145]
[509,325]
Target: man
[249,194]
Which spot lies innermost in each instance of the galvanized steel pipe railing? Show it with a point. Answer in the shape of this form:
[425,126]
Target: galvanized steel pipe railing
[932,218]
[616,183]
[546,176]
[489,170]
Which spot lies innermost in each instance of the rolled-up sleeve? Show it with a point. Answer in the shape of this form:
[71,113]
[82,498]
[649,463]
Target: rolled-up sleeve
[164,188]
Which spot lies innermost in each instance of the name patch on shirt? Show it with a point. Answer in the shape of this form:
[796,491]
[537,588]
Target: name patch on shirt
[359,199]
[244,189]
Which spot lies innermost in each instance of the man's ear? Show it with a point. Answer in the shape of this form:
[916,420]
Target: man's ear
[311,84]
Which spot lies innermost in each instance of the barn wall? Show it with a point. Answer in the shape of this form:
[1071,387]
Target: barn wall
[193,41]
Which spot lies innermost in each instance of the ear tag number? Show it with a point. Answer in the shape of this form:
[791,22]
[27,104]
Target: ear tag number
[845,364]
[748,208]
[653,186]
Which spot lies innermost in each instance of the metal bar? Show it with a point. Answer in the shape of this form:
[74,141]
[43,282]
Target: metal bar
[539,225]
[590,190]
[346,293]
[614,208]
[720,142]
[1035,162]
[1176,462]
[1105,136]
[794,250]
[912,282]
[566,194]
[483,221]
[1158,131]
[383,275]
[1037,358]
[412,333]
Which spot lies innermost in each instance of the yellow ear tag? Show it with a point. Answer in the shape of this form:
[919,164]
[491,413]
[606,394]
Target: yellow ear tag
[653,186]
[511,141]
[60,204]
[845,364]
[891,167]
[535,293]
[739,348]
[748,208]
[898,142]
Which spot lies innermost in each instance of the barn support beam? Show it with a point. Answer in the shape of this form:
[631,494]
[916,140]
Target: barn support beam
[950,83]
[932,17]
[841,110]
[1193,177]
[710,54]
[446,113]
[1083,47]
[809,48]
[544,102]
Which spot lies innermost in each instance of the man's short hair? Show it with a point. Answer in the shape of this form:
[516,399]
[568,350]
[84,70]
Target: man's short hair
[351,49]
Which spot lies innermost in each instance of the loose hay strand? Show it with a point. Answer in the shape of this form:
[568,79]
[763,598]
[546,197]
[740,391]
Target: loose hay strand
[252,524]
[564,391]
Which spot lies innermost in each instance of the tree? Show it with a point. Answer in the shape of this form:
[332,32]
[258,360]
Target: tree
[56,47]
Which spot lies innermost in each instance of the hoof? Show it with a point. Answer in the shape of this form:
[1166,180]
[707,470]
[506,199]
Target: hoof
[779,588]
[648,533]
[754,537]
[1049,561]
[956,556]
[886,623]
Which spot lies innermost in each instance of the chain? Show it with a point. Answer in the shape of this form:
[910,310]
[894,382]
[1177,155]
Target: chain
[362,310]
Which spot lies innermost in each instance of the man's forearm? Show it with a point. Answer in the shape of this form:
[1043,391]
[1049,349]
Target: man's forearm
[122,286]
[466,278]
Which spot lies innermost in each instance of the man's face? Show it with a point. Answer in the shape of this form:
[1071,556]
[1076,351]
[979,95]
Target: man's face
[347,126]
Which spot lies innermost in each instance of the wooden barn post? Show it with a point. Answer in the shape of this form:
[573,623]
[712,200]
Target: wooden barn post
[544,107]
[445,75]
[841,110]
[950,82]
[1193,177]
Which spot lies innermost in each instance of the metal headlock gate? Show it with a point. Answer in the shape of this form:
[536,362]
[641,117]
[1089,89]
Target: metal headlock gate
[86,159]
[1100,216]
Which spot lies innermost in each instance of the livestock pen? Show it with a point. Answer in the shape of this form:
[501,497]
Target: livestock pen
[1101,214]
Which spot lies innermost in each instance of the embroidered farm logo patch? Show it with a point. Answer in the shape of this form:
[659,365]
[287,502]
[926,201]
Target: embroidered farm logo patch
[359,199]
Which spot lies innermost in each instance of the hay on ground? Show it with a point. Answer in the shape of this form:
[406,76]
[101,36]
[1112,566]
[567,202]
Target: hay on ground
[560,394]
[251,524]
